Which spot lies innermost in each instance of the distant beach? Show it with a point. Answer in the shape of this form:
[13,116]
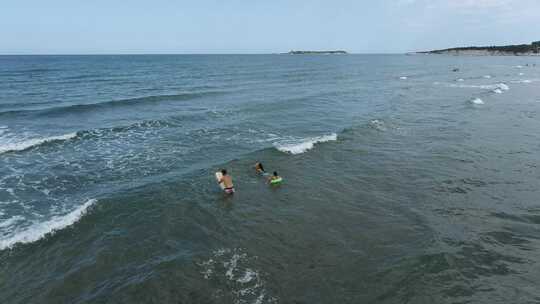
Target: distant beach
[532,49]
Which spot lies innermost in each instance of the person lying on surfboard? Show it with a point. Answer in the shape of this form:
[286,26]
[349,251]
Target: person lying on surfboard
[275,178]
[259,168]
[227,182]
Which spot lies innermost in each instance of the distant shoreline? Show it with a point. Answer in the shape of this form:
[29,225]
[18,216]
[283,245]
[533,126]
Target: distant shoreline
[532,49]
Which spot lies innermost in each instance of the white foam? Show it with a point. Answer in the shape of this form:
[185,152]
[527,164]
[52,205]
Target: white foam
[523,81]
[28,143]
[260,299]
[378,124]
[247,283]
[38,230]
[460,80]
[487,76]
[10,221]
[11,191]
[249,275]
[477,101]
[305,144]
[231,265]
[521,74]
[3,129]
[403,77]
[501,86]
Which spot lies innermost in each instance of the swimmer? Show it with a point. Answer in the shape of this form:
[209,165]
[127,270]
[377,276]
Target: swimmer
[227,182]
[259,168]
[275,178]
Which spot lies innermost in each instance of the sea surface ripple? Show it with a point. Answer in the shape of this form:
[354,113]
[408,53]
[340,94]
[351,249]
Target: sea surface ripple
[404,182]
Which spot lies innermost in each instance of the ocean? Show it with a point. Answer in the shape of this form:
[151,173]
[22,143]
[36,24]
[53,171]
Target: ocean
[405,180]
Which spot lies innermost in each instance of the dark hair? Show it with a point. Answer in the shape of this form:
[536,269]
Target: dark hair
[224,171]
[260,166]
[275,173]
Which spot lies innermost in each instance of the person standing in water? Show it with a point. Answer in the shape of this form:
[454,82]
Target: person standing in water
[227,182]
[259,168]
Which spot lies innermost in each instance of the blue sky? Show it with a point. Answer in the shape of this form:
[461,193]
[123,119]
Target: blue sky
[256,26]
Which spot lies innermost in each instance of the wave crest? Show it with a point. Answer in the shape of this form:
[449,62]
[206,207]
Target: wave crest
[33,142]
[39,230]
[115,103]
[526,81]
[501,86]
[305,144]
[477,101]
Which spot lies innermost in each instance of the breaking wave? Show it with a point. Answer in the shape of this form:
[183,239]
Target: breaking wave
[10,146]
[304,144]
[500,86]
[37,231]
[526,81]
[477,101]
[13,143]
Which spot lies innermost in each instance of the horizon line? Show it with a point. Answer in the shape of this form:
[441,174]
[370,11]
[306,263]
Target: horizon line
[143,54]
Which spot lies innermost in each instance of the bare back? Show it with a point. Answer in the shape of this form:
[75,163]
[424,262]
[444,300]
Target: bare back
[227,181]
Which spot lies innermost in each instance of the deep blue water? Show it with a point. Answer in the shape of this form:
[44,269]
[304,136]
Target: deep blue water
[404,181]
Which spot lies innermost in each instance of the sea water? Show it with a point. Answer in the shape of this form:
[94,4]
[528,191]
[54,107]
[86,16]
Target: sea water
[420,188]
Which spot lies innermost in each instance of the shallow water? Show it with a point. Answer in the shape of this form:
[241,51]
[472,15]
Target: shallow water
[403,181]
